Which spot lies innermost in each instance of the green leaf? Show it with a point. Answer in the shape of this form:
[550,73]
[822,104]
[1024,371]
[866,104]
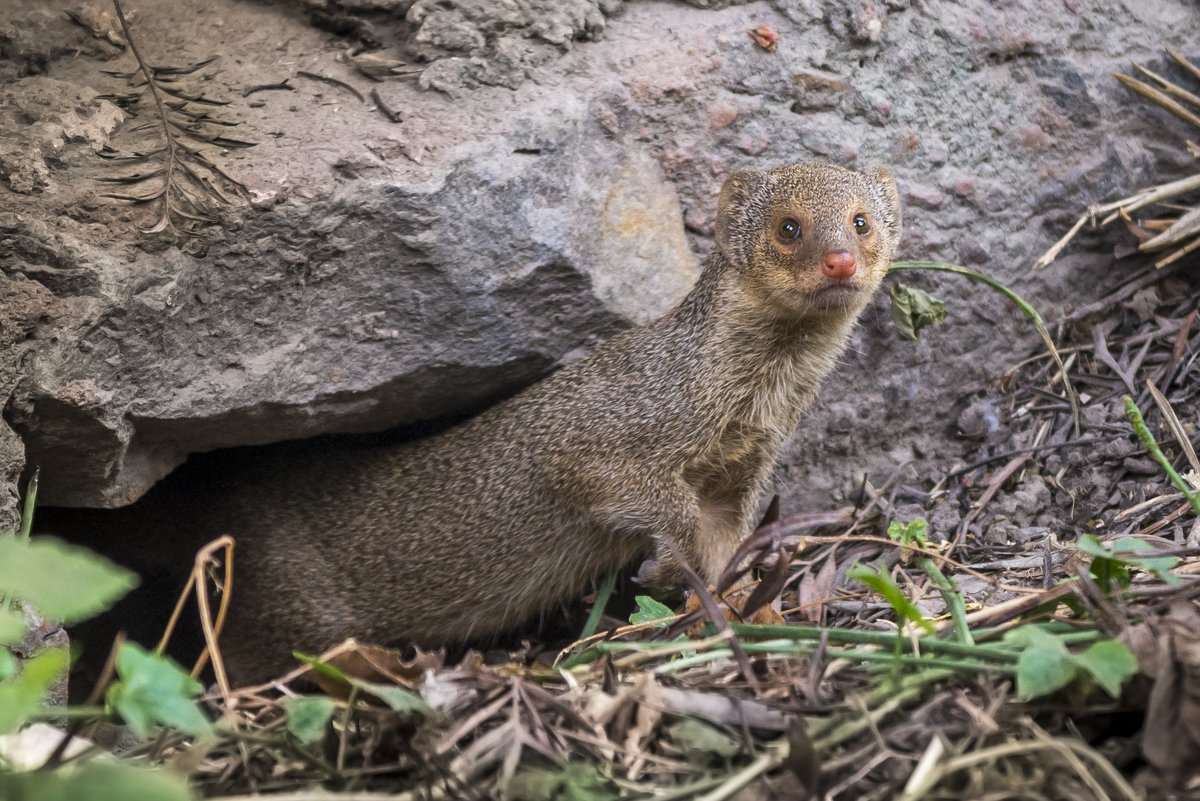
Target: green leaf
[1110,663]
[12,626]
[323,669]
[535,784]
[24,694]
[695,738]
[153,690]
[890,591]
[1126,547]
[572,782]
[1088,543]
[308,717]
[400,699]
[1111,564]
[67,584]
[585,782]
[1159,566]
[1045,664]
[96,780]
[1106,569]
[914,533]
[8,664]
[913,309]
[649,610]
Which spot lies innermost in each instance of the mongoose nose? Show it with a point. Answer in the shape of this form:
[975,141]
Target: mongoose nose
[838,265]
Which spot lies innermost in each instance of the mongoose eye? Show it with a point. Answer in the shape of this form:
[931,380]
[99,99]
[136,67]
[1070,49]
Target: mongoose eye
[861,226]
[788,229]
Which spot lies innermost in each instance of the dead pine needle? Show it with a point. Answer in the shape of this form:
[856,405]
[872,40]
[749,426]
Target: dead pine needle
[187,191]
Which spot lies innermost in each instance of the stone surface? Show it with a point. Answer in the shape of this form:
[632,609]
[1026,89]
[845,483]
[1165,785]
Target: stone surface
[532,200]
[387,302]
[474,43]
[44,116]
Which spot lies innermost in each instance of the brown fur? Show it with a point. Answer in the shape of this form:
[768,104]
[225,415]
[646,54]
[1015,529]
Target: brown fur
[669,429]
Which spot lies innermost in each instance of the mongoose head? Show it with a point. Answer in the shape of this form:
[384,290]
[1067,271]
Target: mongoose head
[810,239]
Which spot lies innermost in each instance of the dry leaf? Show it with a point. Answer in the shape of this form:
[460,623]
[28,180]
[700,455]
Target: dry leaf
[732,602]
[376,664]
[649,713]
[814,590]
[1171,734]
[765,37]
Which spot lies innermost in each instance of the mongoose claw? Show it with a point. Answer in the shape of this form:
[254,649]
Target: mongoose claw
[653,573]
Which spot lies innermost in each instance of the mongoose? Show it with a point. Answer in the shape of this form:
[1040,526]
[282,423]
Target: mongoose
[667,430]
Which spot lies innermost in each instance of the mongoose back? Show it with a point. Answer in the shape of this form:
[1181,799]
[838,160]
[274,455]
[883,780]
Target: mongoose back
[669,429]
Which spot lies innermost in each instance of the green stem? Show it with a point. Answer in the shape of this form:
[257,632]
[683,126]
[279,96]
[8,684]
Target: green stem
[593,623]
[27,509]
[877,638]
[879,703]
[1022,304]
[23,529]
[1139,425]
[887,642]
[602,595]
[1068,635]
[53,713]
[789,648]
[952,595]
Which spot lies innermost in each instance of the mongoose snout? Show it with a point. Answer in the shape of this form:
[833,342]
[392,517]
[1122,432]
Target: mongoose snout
[664,435]
[839,265]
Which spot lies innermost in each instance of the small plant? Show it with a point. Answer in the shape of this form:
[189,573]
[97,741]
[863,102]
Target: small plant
[1111,564]
[1043,661]
[1134,414]
[1046,665]
[913,309]
[41,577]
[886,587]
[913,536]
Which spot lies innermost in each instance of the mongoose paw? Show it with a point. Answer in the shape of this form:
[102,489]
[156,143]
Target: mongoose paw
[654,573]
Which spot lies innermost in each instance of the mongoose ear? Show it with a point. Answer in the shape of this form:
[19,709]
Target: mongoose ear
[739,194]
[886,197]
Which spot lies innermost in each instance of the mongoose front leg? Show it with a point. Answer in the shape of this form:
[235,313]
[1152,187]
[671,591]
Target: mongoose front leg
[727,481]
[705,534]
[708,544]
[661,513]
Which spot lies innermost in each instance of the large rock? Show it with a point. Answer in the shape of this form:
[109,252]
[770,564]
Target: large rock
[25,306]
[385,302]
[387,272]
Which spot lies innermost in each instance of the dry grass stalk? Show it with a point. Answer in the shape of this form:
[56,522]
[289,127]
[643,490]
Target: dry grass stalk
[1180,234]
[189,186]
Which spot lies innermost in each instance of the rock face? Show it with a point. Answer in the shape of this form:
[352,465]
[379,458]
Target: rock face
[527,197]
[387,302]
